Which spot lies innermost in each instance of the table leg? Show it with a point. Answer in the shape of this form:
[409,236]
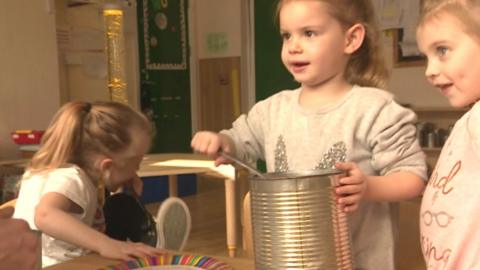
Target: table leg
[230,217]
[172,186]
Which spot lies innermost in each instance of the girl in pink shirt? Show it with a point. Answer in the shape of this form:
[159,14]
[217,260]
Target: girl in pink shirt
[449,35]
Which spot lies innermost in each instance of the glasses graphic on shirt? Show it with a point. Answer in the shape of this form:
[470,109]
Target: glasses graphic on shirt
[442,218]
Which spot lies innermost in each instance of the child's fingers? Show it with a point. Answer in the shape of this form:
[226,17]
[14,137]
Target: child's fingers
[201,142]
[135,254]
[350,199]
[208,144]
[346,166]
[348,189]
[350,180]
[350,208]
[221,160]
[149,249]
[194,141]
[140,250]
[125,257]
[350,203]
[213,147]
[154,251]
[202,146]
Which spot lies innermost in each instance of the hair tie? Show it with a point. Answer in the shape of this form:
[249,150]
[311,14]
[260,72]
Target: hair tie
[88,107]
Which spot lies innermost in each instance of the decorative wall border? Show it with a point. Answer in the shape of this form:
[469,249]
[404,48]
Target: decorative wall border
[183,39]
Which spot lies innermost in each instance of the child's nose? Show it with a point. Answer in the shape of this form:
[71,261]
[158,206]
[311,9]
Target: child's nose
[431,71]
[294,46]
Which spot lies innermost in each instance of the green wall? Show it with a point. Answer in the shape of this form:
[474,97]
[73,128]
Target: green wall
[165,72]
[271,75]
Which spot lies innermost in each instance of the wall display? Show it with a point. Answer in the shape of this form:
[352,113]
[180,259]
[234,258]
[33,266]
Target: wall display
[165,72]
[399,18]
[164,23]
[400,58]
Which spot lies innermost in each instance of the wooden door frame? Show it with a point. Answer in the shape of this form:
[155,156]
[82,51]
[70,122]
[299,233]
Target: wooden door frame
[194,72]
[248,55]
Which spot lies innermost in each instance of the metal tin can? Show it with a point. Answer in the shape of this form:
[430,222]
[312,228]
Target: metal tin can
[297,223]
[431,139]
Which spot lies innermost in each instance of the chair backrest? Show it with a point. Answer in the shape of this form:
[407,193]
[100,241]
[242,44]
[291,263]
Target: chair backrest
[247,231]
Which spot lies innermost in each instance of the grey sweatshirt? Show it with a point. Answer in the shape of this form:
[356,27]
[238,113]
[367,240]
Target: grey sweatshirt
[366,127]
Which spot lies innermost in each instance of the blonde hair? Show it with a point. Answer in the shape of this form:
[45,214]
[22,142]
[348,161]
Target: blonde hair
[81,129]
[366,67]
[465,11]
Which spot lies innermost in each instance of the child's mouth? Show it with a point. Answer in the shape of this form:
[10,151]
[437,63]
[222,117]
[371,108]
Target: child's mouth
[299,66]
[445,88]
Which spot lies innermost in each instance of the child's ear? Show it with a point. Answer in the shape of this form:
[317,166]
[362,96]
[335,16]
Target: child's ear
[106,164]
[354,38]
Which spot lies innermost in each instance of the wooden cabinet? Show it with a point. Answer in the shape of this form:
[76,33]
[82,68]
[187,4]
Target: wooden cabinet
[409,253]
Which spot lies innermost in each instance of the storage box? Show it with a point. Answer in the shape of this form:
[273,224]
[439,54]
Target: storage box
[27,136]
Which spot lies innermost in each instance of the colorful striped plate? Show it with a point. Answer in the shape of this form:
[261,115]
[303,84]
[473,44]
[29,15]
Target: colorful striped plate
[171,262]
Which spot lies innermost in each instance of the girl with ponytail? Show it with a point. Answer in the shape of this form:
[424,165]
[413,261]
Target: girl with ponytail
[85,146]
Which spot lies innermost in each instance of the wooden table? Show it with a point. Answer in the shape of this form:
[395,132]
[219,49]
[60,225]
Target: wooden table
[95,261]
[174,164]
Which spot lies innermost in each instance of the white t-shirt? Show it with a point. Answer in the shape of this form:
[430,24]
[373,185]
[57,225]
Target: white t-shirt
[73,183]
[450,212]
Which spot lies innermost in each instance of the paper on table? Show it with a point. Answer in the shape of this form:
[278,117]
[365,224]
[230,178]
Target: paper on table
[226,170]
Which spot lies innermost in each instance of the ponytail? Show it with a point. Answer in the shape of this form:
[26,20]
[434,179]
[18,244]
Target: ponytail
[62,138]
[80,130]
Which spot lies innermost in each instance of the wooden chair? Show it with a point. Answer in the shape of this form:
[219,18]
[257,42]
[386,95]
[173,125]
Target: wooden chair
[247,231]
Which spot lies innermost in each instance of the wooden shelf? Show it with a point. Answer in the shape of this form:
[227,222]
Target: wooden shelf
[439,113]
[441,117]
[438,109]
[432,149]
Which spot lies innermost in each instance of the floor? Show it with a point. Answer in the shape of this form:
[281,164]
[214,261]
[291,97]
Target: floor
[208,223]
[208,228]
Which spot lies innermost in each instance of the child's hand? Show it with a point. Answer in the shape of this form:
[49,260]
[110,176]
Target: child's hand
[136,185]
[210,144]
[352,187]
[122,250]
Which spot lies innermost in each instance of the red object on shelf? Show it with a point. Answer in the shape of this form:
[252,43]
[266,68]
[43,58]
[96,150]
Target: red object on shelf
[27,136]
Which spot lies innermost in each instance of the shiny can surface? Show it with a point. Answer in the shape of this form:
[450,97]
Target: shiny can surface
[297,223]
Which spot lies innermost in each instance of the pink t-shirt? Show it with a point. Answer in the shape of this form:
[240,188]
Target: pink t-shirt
[450,212]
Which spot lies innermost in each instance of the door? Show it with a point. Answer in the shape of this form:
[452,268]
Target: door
[220,93]
[165,72]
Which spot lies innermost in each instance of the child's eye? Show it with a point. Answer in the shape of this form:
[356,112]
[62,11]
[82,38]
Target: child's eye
[309,33]
[285,36]
[441,50]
